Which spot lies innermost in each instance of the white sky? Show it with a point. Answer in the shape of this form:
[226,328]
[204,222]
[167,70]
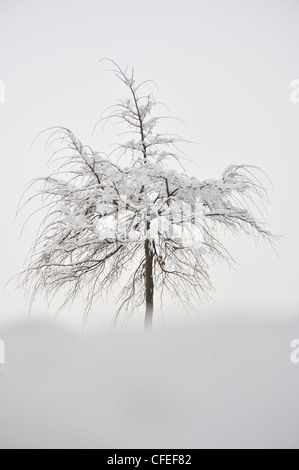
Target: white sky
[224,67]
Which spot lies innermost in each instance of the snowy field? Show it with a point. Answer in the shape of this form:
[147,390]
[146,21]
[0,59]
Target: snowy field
[223,385]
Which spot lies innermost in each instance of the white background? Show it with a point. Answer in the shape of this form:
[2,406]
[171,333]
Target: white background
[224,67]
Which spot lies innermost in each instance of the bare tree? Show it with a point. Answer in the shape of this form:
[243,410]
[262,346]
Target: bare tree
[147,225]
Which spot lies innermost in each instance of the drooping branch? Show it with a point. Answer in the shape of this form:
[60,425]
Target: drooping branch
[146,225]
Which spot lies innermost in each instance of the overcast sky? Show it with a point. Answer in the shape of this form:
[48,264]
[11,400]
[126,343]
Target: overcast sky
[224,67]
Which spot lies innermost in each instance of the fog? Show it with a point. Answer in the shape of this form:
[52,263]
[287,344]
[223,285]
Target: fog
[224,68]
[223,385]
[222,376]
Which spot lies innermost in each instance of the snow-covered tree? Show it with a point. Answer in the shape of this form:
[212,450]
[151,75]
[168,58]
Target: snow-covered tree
[147,225]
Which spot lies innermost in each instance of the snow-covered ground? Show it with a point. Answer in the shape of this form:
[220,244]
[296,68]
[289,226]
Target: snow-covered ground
[221,385]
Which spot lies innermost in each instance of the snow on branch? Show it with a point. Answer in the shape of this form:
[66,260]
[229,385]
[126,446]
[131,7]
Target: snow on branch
[99,215]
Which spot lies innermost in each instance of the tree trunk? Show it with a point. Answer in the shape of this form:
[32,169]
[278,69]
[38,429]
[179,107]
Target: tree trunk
[149,285]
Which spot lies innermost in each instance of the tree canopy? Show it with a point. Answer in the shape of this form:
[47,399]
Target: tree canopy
[148,226]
